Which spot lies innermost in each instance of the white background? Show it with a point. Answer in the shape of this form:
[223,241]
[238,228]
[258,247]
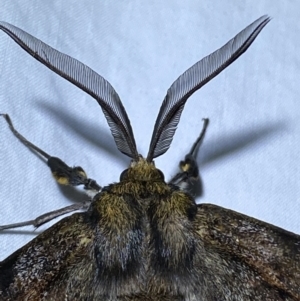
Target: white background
[250,158]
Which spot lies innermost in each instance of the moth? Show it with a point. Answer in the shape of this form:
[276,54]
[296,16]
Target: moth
[145,238]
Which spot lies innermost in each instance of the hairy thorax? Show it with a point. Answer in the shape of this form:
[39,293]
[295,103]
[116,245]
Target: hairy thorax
[143,230]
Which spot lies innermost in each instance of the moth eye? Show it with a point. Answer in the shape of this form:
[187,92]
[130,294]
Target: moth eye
[123,175]
[161,174]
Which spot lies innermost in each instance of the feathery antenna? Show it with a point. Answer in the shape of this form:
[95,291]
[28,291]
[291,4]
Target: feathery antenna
[192,80]
[84,78]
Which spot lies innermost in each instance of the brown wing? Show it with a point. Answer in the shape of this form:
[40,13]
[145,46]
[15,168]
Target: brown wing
[41,269]
[246,259]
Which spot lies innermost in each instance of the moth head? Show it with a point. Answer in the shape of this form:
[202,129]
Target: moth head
[142,170]
[106,96]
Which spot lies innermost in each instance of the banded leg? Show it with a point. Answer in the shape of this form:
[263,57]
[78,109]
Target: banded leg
[63,174]
[189,170]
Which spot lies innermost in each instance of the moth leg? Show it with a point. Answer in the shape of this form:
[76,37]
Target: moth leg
[62,173]
[47,217]
[189,170]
